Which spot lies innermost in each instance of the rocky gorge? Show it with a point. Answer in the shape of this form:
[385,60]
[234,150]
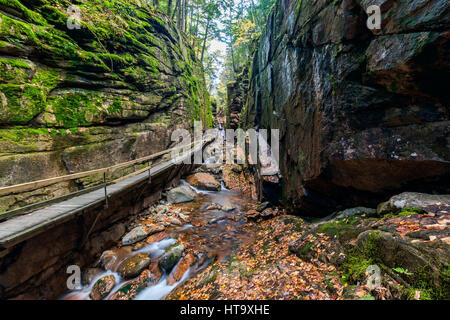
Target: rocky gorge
[363,114]
[360,206]
[74,100]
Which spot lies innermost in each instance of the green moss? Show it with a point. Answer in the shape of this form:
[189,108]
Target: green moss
[76,108]
[27,14]
[23,102]
[405,212]
[13,70]
[336,228]
[16,32]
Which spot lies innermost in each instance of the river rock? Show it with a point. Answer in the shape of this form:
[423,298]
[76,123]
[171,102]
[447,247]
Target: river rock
[203,181]
[130,290]
[213,206]
[252,214]
[354,211]
[102,287]
[262,206]
[180,269]
[90,274]
[183,217]
[170,258]
[427,202]
[175,221]
[181,194]
[227,208]
[135,235]
[154,228]
[156,237]
[132,266]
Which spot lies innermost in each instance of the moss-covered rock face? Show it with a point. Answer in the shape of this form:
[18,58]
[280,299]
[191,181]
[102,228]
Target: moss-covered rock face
[74,100]
[363,114]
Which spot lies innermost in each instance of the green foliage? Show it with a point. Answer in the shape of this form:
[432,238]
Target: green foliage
[402,271]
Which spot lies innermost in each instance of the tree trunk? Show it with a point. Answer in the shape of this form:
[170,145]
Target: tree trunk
[204,41]
[169,8]
[185,15]
[175,10]
[180,15]
[196,29]
[156,3]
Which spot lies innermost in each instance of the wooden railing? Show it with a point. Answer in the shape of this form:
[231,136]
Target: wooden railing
[18,188]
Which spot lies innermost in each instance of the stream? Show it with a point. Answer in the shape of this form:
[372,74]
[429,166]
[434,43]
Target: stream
[209,234]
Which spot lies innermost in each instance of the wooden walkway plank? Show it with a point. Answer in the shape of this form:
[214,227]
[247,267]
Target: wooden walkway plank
[26,226]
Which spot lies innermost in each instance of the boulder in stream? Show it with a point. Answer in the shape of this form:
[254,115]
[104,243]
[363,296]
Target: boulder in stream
[203,181]
[102,287]
[170,258]
[132,266]
[181,194]
[180,269]
[135,235]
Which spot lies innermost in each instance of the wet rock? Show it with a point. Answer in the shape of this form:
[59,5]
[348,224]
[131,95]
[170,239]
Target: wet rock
[130,290]
[170,258]
[262,206]
[161,209]
[181,194]
[215,169]
[427,202]
[227,208]
[132,266]
[90,274]
[183,217]
[108,259]
[203,181]
[135,235]
[178,272]
[102,287]
[213,206]
[175,221]
[356,211]
[252,214]
[154,228]
[139,245]
[156,237]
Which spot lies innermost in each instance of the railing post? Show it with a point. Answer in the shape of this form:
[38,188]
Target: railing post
[149,173]
[106,192]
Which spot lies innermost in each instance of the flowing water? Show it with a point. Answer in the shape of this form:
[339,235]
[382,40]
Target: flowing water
[210,234]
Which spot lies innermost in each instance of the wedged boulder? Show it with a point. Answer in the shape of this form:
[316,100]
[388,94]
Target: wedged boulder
[102,287]
[133,266]
[135,235]
[427,202]
[203,181]
[181,194]
[170,258]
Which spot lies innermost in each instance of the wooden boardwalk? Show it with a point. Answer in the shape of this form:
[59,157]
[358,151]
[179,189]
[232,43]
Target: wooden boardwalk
[26,226]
